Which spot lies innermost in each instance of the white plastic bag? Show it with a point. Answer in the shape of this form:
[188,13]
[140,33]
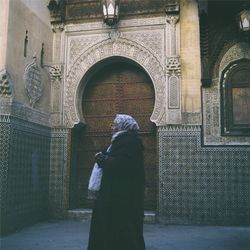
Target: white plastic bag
[95,182]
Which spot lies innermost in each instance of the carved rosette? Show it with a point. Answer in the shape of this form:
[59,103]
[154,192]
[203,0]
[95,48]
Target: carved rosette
[55,72]
[108,48]
[5,84]
[33,82]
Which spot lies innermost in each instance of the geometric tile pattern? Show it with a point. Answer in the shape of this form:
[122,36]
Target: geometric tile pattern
[59,174]
[202,185]
[4,163]
[25,172]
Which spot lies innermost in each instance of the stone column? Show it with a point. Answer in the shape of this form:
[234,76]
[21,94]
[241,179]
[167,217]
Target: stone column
[173,67]
[59,172]
[56,72]
[190,62]
[4,13]
[60,134]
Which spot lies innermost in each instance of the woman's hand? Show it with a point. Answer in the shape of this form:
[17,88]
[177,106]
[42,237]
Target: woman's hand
[99,158]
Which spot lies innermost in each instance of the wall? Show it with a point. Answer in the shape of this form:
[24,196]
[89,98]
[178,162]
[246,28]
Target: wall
[201,184]
[22,19]
[4,12]
[24,115]
[203,176]
[25,161]
[190,62]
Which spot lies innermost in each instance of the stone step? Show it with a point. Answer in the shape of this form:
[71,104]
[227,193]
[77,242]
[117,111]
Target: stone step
[85,214]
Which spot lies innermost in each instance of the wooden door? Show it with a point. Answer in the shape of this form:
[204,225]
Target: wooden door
[117,88]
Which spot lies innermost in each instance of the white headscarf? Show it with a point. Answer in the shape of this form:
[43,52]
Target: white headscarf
[125,123]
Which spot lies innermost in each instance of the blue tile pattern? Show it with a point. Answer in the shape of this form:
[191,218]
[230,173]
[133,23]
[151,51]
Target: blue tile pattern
[202,185]
[26,150]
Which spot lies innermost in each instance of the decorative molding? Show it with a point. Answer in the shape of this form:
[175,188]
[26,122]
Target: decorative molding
[33,82]
[105,49]
[18,110]
[5,84]
[179,128]
[98,27]
[4,118]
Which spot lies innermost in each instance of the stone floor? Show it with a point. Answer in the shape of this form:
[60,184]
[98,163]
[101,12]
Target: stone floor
[73,235]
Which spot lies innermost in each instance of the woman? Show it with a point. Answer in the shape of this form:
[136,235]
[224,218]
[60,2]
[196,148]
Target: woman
[117,219]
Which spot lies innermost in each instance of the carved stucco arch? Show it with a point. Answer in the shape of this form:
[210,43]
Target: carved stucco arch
[212,98]
[106,49]
[235,53]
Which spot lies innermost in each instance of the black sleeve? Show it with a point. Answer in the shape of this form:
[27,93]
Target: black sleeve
[122,156]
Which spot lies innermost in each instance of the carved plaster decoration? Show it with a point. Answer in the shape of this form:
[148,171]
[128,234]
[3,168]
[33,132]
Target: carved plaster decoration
[172,45]
[172,19]
[173,69]
[114,35]
[59,27]
[153,40]
[173,93]
[55,72]
[5,84]
[212,101]
[33,82]
[236,52]
[124,48]
[128,23]
[225,74]
[78,45]
[173,66]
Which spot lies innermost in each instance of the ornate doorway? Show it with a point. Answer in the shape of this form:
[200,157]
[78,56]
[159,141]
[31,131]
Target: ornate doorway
[118,87]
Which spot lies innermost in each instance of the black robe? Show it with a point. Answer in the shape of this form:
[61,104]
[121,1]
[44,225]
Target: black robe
[117,219]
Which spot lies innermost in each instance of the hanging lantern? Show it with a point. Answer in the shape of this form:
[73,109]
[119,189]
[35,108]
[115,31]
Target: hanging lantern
[110,10]
[243,19]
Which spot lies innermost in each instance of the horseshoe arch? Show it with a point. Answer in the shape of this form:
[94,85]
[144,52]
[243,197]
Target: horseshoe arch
[107,49]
